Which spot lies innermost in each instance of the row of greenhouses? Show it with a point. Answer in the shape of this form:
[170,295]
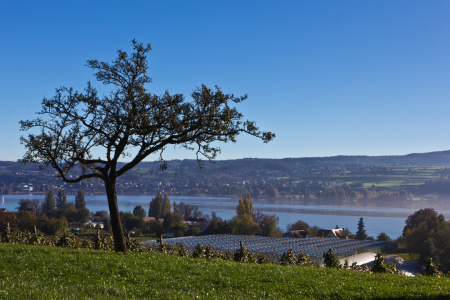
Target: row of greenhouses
[275,246]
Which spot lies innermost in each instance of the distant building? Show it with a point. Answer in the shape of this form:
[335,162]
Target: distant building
[200,225]
[151,219]
[94,224]
[332,233]
[297,234]
[3,210]
[198,219]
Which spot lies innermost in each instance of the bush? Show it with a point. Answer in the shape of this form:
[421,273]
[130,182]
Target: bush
[244,256]
[288,258]
[380,266]
[166,249]
[262,259]
[205,251]
[330,260]
[86,244]
[26,237]
[431,268]
[182,250]
[228,255]
[68,240]
[104,242]
[135,245]
[303,260]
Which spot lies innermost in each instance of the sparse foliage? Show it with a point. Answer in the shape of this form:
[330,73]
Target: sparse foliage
[245,206]
[75,125]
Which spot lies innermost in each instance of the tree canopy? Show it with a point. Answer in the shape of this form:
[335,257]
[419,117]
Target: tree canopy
[75,128]
[159,206]
[79,199]
[299,225]
[61,199]
[49,202]
[139,211]
[245,206]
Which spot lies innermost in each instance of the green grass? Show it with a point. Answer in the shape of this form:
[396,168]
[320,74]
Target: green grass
[40,272]
[408,256]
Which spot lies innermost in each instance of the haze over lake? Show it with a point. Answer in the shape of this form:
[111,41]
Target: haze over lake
[378,217]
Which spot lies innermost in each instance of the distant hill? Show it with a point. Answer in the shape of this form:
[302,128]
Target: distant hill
[283,164]
[289,164]
[307,177]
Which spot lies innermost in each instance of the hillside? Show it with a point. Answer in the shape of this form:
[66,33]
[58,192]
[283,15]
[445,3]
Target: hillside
[41,272]
[422,176]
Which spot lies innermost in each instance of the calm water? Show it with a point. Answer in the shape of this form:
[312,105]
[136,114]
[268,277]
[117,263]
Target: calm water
[384,217]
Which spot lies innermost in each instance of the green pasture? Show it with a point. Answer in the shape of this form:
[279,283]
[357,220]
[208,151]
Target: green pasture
[41,272]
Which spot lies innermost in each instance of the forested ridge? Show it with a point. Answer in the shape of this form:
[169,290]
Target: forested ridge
[403,177]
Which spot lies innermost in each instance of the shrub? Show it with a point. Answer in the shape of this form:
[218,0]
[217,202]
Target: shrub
[182,250]
[380,266]
[103,242]
[262,259]
[205,251]
[431,268]
[26,237]
[330,260]
[288,258]
[35,239]
[303,260]
[166,249]
[134,245]
[228,255]
[68,240]
[86,244]
[244,256]
[6,236]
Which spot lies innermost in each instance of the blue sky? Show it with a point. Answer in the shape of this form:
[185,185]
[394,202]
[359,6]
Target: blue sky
[328,77]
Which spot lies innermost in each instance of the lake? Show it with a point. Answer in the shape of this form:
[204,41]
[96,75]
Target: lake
[378,217]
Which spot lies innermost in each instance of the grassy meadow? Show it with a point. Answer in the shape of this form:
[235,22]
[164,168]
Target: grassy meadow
[41,272]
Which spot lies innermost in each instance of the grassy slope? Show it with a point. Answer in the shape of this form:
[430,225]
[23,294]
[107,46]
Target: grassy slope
[39,272]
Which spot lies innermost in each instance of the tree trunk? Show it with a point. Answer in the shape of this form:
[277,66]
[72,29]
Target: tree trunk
[119,239]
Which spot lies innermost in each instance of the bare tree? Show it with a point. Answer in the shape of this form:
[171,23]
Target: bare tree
[76,126]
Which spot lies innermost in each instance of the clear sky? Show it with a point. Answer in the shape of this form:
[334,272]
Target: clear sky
[328,77]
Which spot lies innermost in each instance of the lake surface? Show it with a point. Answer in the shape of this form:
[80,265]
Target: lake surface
[378,217]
